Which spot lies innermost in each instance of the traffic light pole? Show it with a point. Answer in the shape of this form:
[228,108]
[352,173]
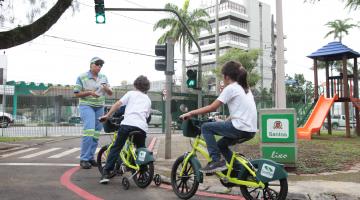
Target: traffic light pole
[199,83]
[169,78]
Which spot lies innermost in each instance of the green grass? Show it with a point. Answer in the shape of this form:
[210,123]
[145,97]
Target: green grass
[14,139]
[324,153]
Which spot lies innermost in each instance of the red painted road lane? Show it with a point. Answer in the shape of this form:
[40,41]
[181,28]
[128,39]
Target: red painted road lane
[66,181]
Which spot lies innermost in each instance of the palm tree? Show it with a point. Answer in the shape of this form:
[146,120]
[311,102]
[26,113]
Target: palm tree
[339,27]
[194,20]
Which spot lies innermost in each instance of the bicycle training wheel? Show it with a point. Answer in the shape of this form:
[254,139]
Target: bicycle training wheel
[184,186]
[101,160]
[145,175]
[274,190]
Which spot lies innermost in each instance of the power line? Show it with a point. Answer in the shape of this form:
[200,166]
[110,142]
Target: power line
[142,21]
[103,47]
[98,46]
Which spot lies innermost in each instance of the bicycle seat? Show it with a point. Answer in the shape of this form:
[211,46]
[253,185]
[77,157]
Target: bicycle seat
[232,141]
[133,134]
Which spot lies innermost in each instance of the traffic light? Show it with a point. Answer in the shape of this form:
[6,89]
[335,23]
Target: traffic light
[100,11]
[192,80]
[160,50]
[166,63]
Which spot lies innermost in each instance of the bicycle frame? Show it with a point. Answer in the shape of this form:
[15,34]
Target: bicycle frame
[198,146]
[126,153]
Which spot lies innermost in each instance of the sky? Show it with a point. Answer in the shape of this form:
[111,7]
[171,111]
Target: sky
[61,54]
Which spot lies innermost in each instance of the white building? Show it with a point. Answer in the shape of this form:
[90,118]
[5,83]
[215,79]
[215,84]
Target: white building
[239,27]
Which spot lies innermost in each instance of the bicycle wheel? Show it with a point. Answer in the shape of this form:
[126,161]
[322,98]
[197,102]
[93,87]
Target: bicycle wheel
[145,175]
[101,160]
[275,190]
[184,186]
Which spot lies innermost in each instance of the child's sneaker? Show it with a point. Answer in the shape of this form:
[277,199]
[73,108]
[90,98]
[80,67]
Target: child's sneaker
[105,177]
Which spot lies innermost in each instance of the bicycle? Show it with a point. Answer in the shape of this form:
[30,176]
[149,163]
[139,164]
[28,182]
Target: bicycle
[255,177]
[138,161]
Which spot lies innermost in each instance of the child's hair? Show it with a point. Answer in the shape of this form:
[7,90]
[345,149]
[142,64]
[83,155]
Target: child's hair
[142,83]
[237,73]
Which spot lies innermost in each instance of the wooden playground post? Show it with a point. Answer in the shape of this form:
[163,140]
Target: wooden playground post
[346,95]
[356,95]
[328,95]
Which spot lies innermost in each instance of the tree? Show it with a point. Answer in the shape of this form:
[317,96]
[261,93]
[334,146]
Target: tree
[23,34]
[247,58]
[194,20]
[351,4]
[299,93]
[339,27]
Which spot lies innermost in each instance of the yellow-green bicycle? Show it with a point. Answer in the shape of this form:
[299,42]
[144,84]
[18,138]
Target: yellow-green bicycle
[140,161]
[257,179]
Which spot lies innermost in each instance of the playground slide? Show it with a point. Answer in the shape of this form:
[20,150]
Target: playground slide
[317,117]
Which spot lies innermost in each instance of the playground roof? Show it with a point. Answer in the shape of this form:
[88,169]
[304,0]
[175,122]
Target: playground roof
[334,51]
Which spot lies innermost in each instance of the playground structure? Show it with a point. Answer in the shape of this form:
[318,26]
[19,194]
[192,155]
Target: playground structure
[342,88]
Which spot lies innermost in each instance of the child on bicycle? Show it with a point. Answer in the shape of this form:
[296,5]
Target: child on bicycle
[240,125]
[138,106]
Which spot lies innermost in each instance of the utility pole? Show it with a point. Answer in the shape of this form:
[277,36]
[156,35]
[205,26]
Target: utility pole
[217,84]
[280,98]
[262,53]
[273,60]
[168,73]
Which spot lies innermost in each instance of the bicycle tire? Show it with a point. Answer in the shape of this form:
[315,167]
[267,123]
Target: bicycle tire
[180,184]
[268,192]
[145,175]
[101,160]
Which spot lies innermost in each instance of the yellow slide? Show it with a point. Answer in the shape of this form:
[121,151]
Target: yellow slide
[317,117]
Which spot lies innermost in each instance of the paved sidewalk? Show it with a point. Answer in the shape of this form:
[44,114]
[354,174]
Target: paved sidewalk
[312,189]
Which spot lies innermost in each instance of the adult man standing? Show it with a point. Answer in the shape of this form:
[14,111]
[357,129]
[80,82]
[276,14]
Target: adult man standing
[91,88]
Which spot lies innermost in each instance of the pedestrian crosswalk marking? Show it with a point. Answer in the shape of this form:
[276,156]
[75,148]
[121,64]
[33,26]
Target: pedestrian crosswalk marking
[40,153]
[70,151]
[17,152]
[97,151]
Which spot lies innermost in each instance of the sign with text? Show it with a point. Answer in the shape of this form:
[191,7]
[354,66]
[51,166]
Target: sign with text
[278,128]
[278,135]
[279,154]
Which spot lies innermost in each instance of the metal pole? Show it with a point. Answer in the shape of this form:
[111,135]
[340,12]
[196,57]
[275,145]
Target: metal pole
[217,89]
[187,30]
[273,60]
[170,62]
[280,72]
[261,55]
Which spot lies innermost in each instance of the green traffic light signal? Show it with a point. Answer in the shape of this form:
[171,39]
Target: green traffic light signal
[192,81]
[100,12]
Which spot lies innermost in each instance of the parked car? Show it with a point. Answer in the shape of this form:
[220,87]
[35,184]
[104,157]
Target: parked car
[21,119]
[338,121]
[5,119]
[75,120]
[156,118]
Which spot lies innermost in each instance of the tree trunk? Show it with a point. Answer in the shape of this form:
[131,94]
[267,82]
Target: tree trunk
[183,67]
[21,35]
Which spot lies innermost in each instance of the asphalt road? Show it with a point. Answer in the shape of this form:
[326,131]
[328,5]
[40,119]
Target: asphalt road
[51,171]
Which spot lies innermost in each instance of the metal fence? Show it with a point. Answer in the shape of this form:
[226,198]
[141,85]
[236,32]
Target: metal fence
[52,110]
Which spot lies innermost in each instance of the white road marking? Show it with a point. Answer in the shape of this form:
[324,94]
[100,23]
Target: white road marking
[40,164]
[70,151]
[97,151]
[17,152]
[40,153]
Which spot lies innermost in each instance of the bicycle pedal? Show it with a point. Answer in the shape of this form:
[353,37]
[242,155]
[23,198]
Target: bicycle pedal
[225,180]
[210,174]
